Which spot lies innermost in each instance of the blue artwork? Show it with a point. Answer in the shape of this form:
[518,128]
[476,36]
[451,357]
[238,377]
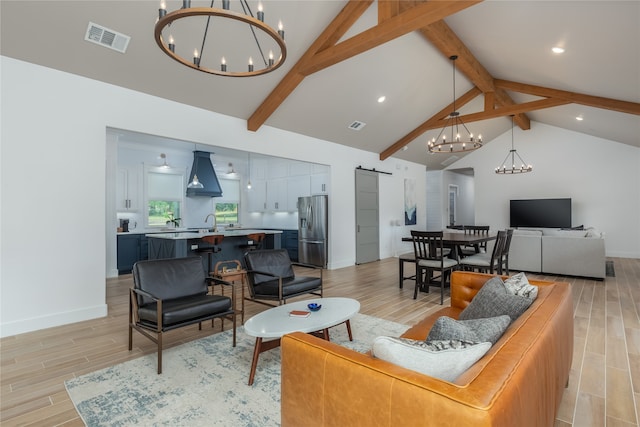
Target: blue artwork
[409,202]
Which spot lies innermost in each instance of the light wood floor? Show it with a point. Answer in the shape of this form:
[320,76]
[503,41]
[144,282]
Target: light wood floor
[604,386]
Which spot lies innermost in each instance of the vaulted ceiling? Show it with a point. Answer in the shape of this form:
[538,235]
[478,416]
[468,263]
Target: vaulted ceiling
[343,55]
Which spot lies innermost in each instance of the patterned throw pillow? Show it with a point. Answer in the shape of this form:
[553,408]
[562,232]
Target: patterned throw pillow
[518,284]
[493,300]
[474,330]
[446,359]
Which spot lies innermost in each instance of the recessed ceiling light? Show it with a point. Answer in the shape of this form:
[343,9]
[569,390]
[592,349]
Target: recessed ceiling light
[405,148]
[381,99]
[557,49]
[579,118]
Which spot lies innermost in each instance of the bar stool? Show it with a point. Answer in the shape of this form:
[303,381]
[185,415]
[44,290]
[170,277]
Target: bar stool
[254,242]
[214,240]
[231,271]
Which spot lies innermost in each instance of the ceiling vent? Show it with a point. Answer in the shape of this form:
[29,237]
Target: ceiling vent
[108,38]
[356,125]
[449,160]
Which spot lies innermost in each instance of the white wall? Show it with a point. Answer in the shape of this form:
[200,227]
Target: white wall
[53,214]
[601,177]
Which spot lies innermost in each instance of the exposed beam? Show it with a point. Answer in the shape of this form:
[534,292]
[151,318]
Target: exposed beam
[430,123]
[446,41]
[329,37]
[387,9]
[410,20]
[577,98]
[508,110]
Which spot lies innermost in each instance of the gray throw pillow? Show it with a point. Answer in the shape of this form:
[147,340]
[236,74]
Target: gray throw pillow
[493,300]
[476,330]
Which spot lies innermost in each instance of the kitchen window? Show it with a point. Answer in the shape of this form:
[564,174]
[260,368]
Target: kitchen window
[165,196]
[227,205]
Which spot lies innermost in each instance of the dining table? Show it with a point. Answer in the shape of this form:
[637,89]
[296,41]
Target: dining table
[455,240]
[451,239]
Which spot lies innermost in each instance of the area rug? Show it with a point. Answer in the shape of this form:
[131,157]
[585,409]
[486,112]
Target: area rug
[204,382]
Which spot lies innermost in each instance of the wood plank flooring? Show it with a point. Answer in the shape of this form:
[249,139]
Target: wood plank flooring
[604,386]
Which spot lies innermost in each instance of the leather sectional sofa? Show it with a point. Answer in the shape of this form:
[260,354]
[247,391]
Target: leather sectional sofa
[552,251]
[519,382]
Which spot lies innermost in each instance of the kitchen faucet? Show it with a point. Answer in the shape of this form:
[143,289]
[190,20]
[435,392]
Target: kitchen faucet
[215,224]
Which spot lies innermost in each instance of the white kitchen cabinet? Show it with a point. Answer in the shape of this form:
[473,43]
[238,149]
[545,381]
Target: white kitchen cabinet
[298,186]
[277,195]
[128,183]
[257,196]
[297,168]
[319,183]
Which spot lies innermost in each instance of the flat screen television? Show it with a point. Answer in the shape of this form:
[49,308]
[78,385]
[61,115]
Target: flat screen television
[546,213]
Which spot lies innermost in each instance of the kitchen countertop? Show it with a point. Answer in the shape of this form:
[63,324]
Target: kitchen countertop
[182,235]
[150,231]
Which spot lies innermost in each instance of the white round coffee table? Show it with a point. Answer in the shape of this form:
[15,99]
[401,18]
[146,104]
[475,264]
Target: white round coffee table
[276,322]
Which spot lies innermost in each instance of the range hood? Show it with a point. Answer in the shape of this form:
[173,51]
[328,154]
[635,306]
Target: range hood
[203,168]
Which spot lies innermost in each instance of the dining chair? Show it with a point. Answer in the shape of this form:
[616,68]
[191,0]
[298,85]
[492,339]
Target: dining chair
[484,262]
[478,230]
[505,251]
[429,251]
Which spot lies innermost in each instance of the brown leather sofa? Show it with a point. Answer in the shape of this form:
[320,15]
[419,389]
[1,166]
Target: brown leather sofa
[519,382]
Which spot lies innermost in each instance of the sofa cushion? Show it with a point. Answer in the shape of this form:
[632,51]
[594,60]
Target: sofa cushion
[518,284]
[493,300]
[440,359]
[564,233]
[474,330]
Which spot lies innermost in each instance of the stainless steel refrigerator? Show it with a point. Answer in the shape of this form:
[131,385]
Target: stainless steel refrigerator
[313,230]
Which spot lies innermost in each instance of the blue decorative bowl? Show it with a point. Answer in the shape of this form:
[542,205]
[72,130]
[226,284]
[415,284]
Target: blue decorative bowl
[314,307]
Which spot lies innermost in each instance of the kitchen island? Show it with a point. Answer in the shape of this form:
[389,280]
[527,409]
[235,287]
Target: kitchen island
[184,244]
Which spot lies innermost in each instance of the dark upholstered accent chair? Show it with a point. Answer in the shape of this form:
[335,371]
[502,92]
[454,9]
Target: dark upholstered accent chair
[172,293]
[271,277]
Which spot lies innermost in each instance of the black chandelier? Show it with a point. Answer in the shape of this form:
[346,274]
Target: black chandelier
[512,169]
[456,144]
[222,26]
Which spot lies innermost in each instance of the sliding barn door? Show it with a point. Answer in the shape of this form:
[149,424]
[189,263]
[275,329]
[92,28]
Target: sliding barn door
[367,217]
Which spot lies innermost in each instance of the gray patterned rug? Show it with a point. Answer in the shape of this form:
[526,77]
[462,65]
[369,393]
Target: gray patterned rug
[204,382]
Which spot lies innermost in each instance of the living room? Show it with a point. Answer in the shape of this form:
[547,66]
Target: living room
[54,151]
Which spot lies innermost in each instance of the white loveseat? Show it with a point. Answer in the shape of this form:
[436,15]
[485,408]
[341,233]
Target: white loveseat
[555,251]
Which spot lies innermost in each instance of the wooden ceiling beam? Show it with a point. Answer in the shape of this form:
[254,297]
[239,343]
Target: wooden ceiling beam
[410,20]
[577,98]
[446,41]
[508,110]
[439,119]
[349,14]
[429,124]
[387,9]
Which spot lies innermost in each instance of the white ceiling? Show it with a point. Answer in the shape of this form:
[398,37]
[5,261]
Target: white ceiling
[511,39]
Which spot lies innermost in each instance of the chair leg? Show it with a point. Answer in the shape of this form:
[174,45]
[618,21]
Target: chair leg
[418,282]
[159,353]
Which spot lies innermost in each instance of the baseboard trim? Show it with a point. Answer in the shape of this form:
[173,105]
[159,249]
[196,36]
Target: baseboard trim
[57,319]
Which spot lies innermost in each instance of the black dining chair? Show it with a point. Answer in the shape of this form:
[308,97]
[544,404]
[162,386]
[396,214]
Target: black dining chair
[505,252]
[478,230]
[485,262]
[429,254]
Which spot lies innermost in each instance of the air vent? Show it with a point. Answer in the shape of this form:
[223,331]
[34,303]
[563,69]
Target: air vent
[105,37]
[356,125]
[449,160]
